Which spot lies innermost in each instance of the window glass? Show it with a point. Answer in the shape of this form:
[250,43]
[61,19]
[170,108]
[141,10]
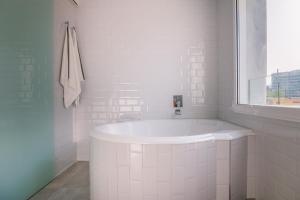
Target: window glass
[269,52]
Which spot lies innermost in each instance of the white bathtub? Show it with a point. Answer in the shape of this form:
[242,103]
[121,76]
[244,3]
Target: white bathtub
[166,159]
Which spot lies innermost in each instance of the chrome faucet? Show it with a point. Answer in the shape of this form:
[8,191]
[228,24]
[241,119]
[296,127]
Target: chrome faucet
[177,111]
[177,104]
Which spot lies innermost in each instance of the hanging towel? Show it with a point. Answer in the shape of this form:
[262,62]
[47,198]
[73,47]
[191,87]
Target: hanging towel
[78,60]
[71,69]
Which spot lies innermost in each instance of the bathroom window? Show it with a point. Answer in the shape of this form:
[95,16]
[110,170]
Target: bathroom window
[268,52]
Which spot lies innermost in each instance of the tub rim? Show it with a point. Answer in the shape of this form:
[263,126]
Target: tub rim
[210,136]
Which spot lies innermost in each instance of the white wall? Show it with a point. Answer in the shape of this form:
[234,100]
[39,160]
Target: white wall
[137,54]
[65,147]
[277,165]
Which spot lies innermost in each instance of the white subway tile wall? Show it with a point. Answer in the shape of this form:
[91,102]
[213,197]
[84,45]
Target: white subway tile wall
[138,54]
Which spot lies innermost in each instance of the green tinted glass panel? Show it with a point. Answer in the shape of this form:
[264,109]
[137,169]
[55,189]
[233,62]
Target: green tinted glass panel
[26,97]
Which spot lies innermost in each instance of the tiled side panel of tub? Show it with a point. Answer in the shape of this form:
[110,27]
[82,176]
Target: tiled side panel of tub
[252,168]
[231,169]
[223,170]
[153,172]
[238,169]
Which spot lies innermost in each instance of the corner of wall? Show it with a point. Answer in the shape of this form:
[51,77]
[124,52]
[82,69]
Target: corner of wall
[65,146]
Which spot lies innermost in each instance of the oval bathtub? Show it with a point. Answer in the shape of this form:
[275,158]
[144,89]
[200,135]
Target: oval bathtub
[165,159]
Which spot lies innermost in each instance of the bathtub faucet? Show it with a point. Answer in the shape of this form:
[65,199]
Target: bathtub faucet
[177,111]
[177,104]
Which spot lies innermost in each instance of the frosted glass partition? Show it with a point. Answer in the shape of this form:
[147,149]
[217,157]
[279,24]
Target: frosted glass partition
[26,100]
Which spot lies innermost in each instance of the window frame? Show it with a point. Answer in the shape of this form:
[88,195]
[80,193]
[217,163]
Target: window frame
[280,112]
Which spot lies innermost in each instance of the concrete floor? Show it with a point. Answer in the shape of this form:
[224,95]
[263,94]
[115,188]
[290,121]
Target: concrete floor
[73,184]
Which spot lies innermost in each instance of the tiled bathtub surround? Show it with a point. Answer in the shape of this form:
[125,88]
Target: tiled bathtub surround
[238,168]
[251,167]
[231,167]
[204,170]
[160,172]
[138,54]
[273,160]
[223,170]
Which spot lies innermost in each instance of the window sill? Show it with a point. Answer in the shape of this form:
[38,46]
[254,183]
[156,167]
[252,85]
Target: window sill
[273,112]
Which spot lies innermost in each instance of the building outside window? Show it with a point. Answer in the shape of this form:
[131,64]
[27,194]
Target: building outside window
[268,52]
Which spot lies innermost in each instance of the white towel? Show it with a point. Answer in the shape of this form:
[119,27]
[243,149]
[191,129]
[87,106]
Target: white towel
[71,69]
[78,59]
